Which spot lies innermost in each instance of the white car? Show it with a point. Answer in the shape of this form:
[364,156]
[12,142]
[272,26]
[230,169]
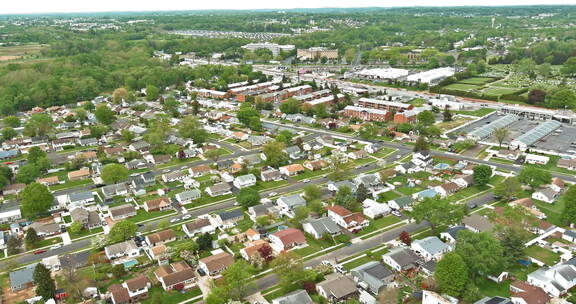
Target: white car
[187,217]
[56,246]
[174,220]
[272,194]
[396,213]
[306,180]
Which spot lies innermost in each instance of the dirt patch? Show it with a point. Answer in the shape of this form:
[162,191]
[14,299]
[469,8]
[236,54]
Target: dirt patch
[6,58]
[18,296]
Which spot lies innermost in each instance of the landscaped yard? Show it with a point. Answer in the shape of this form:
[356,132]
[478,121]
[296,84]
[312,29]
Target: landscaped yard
[142,215]
[387,196]
[462,87]
[478,113]
[379,223]
[84,232]
[171,296]
[543,255]
[310,174]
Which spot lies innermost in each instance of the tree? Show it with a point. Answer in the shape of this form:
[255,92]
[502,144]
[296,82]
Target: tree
[118,271]
[212,155]
[569,213]
[119,95]
[163,224]
[266,253]
[290,106]
[204,242]
[104,115]
[289,269]
[451,274]
[501,134]
[405,238]
[437,212]
[534,177]
[8,133]
[81,114]
[13,245]
[248,197]
[426,118]
[38,125]
[237,281]
[536,96]
[569,66]
[114,173]
[35,154]
[362,193]
[126,135]
[512,242]
[275,153]
[189,127]
[76,227]
[562,99]
[28,173]
[36,199]
[122,231]
[482,174]
[285,137]
[368,131]
[152,92]
[31,239]
[482,253]
[508,189]
[421,144]
[255,123]
[345,198]
[195,107]
[45,285]
[312,192]
[447,115]
[12,121]
[301,213]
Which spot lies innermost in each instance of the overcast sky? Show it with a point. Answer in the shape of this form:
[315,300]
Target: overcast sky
[50,6]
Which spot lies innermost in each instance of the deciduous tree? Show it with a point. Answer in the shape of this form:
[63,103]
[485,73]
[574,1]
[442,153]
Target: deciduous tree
[248,197]
[36,199]
[482,174]
[534,177]
[437,212]
[114,173]
[122,231]
[451,274]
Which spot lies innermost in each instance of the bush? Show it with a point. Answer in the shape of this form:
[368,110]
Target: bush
[343,238]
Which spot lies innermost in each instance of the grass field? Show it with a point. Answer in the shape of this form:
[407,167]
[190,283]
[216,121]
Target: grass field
[543,255]
[462,87]
[19,51]
[477,80]
[478,113]
[496,91]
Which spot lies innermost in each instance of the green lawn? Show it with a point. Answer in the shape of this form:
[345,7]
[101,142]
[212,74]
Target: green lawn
[142,215]
[477,80]
[387,196]
[260,185]
[462,87]
[553,211]
[379,223]
[171,296]
[71,184]
[478,113]
[546,256]
[497,91]
[84,232]
[489,288]
[310,174]
[206,199]
[384,151]
[314,246]
[409,190]
[48,242]
[417,102]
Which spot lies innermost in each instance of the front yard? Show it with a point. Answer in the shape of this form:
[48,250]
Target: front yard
[543,255]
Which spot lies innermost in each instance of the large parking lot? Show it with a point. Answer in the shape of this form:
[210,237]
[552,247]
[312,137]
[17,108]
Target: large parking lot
[558,141]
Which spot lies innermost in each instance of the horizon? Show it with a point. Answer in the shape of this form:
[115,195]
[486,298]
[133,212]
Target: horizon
[56,7]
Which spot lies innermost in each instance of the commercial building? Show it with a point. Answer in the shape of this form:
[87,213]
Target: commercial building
[487,130]
[387,105]
[316,53]
[432,76]
[527,139]
[272,47]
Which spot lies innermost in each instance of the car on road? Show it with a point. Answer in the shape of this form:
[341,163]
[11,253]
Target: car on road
[306,180]
[339,269]
[472,206]
[396,213]
[272,194]
[201,272]
[56,246]
[166,170]
[41,251]
[398,156]
[174,220]
[187,217]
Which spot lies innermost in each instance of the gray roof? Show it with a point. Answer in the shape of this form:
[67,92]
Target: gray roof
[431,244]
[293,201]
[567,272]
[494,300]
[230,214]
[403,257]
[454,231]
[188,195]
[120,248]
[345,183]
[80,196]
[323,225]
[404,201]
[339,287]
[295,297]
[372,273]
[246,178]
[22,276]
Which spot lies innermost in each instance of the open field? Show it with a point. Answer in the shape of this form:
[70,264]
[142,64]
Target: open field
[19,51]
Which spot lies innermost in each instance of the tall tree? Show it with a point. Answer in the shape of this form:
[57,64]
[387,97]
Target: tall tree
[426,118]
[362,193]
[114,173]
[35,200]
[45,285]
[189,127]
[501,134]
[482,174]
[237,281]
[451,274]
[421,144]
[312,192]
[119,95]
[447,115]
[152,92]
[248,197]
[38,125]
[508,189]
[122,231]
[482,253]
[569,212]
[31,239]
[344,197]
[534,177]
[104,115]
[437,212]
[12,121]
[290,270]
[275,153]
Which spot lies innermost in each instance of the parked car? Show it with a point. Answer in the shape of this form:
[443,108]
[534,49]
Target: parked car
[396,213]
[41,251]
[56,246]
[187,217]
[306,180]
[174,220]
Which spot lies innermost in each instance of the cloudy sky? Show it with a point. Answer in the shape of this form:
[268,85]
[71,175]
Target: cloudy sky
[48,6]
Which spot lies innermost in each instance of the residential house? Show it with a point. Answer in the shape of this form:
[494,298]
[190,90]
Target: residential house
[22,278]
[288,204]
[215,264]
[358,154]
[13,189]
[287,239]
[200,170]
[10,212]
[369,181]
[174,176]
[321,227]
[401,203]
[270,174]
[252,249]
[451,234]
[422,159]
[555,280]
[509,154]
[291,170]
[227,219]
[45,229]
[334,186]
[493,300]
[244,181]
[198,226]
[131,291]
[373,276]
[127,249]
[299,296]
[179,276]
[81,198]
[159,238]
[430,248]
[314,165]
[293,152]
[557,184]
[158,204]
[447,189]
[430,297]
[219,189]
[464,181]
[536,159]
[477,223]
[567,163]
[88,219]
[121,212]
[528,205]
[79,174]
[547,195]
[48,181]
[401,259]
[347,219]
[266,209]
[111,191]
[188,196]
[524,293]
[337,289]
[139,146]
[374,209]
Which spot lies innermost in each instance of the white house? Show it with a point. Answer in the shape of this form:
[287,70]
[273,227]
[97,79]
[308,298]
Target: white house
[244,181]
[288,204]
[547,195]
[127,249]
[199,226]
[430,248]
[556,280]
[535,159]
[374,209]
